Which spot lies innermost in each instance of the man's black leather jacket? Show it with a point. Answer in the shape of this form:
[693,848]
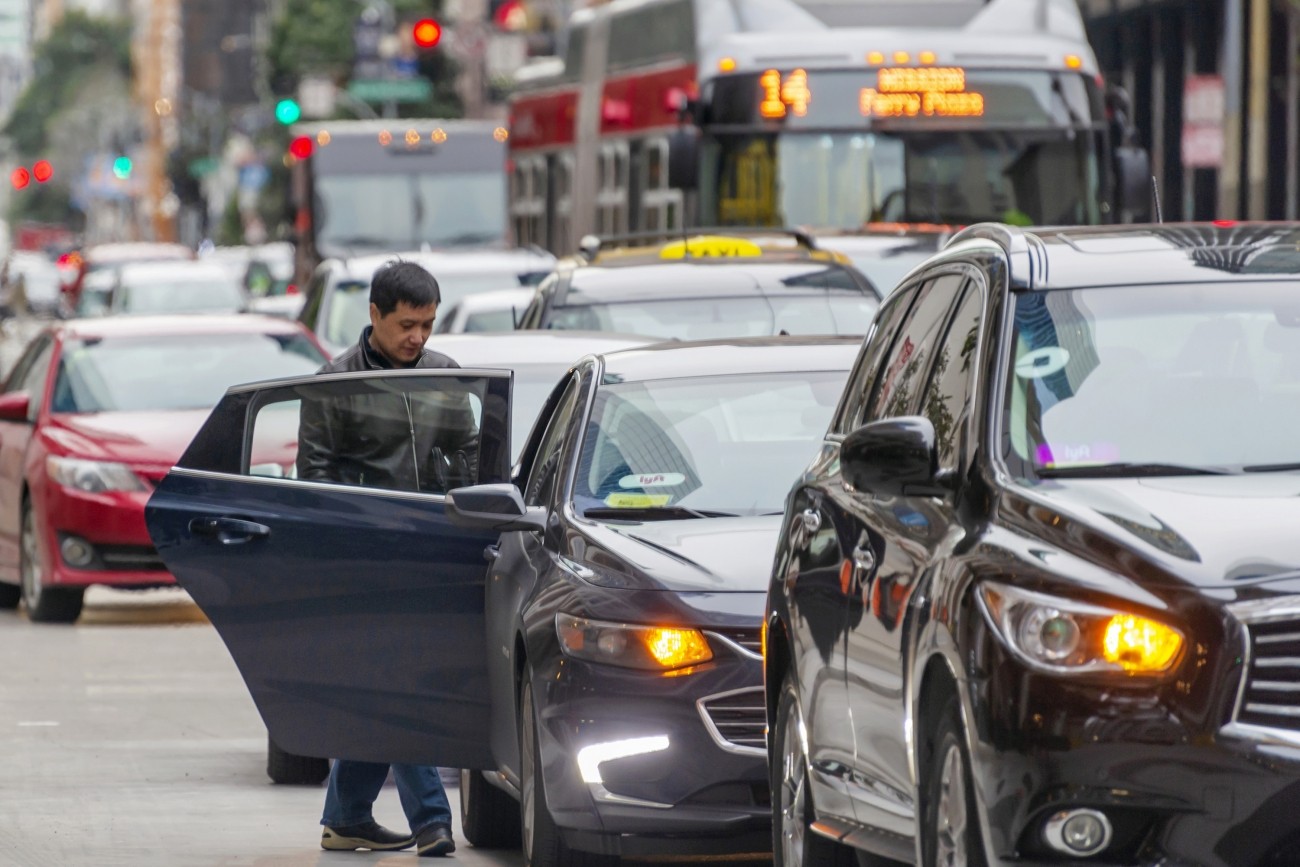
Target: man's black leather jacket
[419,441]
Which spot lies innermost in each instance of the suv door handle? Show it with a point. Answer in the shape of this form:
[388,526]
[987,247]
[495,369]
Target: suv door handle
[812,520]
[864,560]
[491,553]
[229,531]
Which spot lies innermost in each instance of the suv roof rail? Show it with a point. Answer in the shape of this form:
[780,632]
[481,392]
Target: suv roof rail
[592,245]
[1012,239]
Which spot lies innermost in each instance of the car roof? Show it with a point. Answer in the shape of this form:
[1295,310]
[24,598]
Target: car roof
[170,270]
[495,299]
[136,251]
[515,348]
[730,357]
[696,278]
[1098,256]
[475,260]
[158,326]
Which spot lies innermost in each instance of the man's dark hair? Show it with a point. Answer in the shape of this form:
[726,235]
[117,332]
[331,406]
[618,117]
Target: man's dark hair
[397,281]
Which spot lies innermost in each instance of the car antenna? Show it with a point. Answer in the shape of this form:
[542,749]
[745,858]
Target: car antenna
[1155,194]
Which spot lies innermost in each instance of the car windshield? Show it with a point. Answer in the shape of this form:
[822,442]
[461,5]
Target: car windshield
[712,445]
[715,318]
[1149,380]
[359,212]
[183,296]
[134,374]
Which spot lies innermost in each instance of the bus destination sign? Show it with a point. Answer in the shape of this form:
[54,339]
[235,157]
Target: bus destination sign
[931,91]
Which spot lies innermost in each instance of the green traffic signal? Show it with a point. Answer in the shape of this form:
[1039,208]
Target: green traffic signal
[122,167]
[287,111]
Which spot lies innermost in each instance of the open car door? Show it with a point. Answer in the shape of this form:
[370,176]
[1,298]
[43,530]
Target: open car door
[351,606]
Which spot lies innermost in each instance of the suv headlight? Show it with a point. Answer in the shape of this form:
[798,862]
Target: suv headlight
[93,477]
[1064,636]
[652,648]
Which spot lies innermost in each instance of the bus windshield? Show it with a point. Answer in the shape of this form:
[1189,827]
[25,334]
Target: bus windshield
[360,212]
[847,179]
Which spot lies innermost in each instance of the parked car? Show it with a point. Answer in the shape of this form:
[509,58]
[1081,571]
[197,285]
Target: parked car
[709,286]
[161,288]
[92,415]
[484,311]
[78,265]
[29,283]
[1036,601]
[604,666]
[338,296]
[885,252]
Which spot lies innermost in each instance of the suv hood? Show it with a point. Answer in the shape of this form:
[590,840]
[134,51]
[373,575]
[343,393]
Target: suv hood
[716,555]
[1206,531]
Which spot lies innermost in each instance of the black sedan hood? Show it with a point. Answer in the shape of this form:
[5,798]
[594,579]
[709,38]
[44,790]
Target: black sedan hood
[1204,531]
[710,555]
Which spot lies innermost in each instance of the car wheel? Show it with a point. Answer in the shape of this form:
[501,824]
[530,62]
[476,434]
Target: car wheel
[489,817]
[950,832]
[291,769]
[541,840]
[794,843]
[44,604]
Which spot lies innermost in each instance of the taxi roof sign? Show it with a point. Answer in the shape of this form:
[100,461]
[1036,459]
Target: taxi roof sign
[710,246]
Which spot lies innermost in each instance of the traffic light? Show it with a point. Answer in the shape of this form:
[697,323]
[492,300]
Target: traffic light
[301,147]
[288,111]
[426,32]
[122,167]
[20,178]
[42,171]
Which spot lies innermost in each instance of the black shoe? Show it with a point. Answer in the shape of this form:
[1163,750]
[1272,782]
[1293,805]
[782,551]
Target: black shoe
[434,842]
[367,835]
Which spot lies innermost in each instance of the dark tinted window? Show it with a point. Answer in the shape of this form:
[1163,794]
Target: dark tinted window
[952,379]
[878,342]
[898,387]
[652,34]
[546,465]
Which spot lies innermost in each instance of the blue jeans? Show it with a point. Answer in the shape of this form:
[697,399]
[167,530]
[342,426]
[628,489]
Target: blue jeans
[353,787]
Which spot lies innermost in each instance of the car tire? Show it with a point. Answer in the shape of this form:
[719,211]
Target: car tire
[290,769]
[950,832]
[489,817]
[542,844]
[44,604]
[794,843]
[10,596]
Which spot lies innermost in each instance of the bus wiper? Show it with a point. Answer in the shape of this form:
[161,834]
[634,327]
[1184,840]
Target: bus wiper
[1120,470]
[654,513]
[1270,468]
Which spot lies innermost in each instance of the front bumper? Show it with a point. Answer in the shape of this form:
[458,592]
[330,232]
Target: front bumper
[112,524]
[707,782]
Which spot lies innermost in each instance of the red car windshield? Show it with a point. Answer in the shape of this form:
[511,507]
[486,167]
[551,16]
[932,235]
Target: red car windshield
[190,371]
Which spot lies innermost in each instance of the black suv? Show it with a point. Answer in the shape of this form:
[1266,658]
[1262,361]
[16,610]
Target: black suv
[1047,563]
[714,284]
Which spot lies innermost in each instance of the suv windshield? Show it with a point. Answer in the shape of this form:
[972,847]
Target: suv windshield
[689,447]
[1154,379]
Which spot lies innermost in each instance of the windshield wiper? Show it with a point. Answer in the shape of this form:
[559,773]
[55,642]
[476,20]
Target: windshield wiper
[1270,468]
[1119,470]
[467,238]
[654,513]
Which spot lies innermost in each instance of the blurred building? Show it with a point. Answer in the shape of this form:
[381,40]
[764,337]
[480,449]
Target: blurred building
[1215,87]
[44,14]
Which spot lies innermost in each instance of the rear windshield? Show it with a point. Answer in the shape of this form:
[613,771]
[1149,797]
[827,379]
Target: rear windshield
[721,318]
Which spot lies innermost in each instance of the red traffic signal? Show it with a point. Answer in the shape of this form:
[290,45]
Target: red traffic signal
[426,33]
[301,147]
[42,171]
[20,178]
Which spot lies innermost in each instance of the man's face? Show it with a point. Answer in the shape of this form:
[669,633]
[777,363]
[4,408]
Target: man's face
[400,336]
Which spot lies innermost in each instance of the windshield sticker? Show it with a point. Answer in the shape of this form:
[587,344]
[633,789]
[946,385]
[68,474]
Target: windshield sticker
[1042,362]
[1076,454]
[651,480]
[637,501]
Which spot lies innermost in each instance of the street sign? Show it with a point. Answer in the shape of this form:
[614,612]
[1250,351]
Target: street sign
[316,96]
[1203,111]
[398,90]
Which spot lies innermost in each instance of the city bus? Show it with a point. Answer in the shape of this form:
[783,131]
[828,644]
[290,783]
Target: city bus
[818,113]
[373,186]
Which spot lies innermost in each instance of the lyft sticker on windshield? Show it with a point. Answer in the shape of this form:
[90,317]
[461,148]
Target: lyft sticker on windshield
[1066,454]
[651,480]
[1042,362]
[637,501]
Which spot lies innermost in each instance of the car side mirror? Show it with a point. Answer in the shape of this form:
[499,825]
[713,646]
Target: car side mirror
[493,507]
[15,406]
[894,457]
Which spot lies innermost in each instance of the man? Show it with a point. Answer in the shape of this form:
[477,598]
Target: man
[399,441]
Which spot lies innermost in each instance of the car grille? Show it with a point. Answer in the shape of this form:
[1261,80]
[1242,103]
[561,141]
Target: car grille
[130,557]
[737,720]
[1271,694]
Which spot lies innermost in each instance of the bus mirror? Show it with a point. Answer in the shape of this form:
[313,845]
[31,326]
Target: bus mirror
[684,158]
[1133,177]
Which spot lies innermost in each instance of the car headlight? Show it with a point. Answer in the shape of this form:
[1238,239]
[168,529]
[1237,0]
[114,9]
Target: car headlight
[93,477]
[1065,636]
[652,648]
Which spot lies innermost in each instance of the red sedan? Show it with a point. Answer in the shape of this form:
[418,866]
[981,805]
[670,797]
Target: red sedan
[93,414]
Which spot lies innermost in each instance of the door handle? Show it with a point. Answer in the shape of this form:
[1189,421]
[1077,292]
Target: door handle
[229,531]
[812,520]
[864,560]
[491,553]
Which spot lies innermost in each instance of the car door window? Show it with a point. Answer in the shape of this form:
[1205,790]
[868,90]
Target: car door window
[546,464]
[35,377]
[897,388]
[398,431]
[878,342]
[952,378]
[18,376]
